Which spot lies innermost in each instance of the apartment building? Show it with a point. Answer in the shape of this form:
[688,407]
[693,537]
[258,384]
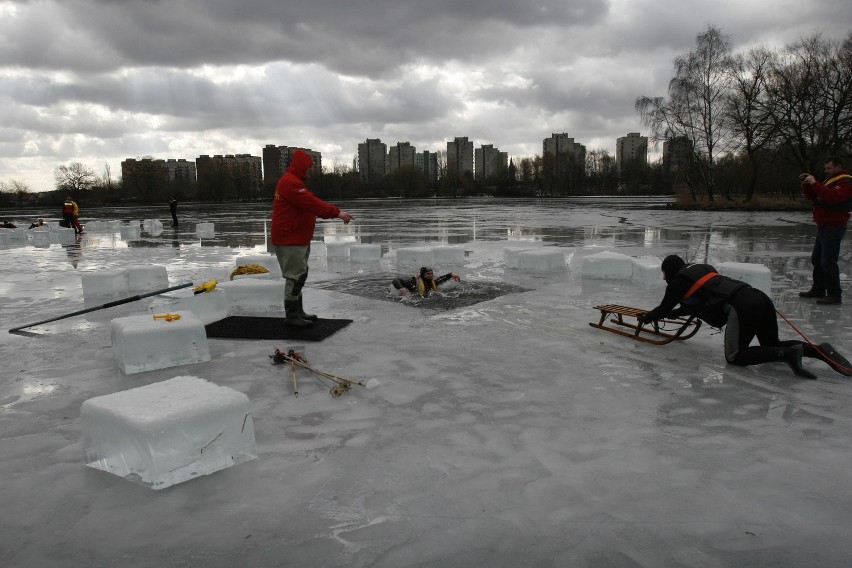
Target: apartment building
[373,160]
[630,148]
[489,162]
[460,156]
[276,160]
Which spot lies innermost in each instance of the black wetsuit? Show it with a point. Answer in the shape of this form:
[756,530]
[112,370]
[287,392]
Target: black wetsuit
[745,312]
[410,284]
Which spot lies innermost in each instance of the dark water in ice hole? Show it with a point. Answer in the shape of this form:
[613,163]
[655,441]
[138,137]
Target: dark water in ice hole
[449,296]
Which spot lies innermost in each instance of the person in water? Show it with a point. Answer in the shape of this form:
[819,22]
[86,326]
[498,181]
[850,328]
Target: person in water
[423,284]
[743,311]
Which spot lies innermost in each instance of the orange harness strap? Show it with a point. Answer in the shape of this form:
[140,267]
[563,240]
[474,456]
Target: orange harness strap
[699,283]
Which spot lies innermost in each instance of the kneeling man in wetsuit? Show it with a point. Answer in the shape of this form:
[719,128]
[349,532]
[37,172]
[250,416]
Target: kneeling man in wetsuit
[745,312]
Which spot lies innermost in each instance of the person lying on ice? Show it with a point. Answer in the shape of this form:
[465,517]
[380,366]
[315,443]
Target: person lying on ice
[745,312]
[423,284]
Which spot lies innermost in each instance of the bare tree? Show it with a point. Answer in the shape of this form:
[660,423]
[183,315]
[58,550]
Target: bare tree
[810,84]
[749,110]
[695,108]
[74,177]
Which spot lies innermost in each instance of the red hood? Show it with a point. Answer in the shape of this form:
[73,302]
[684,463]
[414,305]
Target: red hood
[300,163]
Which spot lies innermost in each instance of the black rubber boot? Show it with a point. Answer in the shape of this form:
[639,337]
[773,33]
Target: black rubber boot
[793,357]
[301,312]
[293,319]
[835,360]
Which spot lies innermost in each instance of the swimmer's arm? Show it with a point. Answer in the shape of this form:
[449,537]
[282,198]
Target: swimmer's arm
[449,275]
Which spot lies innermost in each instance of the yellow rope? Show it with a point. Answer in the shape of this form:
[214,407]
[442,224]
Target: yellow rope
[249,269]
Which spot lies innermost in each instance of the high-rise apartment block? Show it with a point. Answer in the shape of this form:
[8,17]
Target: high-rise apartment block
[400,155]
[460,156]
[630,148]
[563,145]
[372,160]
[276,160]
[489,162]
[428,162]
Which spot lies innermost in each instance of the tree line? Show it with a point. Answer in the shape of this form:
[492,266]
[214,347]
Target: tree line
[754,120]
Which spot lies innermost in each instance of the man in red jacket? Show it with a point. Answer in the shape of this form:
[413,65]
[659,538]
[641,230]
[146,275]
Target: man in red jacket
[831,200]
[294,216]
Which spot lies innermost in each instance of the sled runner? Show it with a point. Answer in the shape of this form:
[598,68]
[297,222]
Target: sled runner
[680,328]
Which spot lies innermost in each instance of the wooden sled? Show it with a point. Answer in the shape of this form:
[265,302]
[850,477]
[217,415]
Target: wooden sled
[654,332]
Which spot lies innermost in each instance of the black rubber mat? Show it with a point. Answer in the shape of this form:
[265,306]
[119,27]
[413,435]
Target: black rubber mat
[243,327]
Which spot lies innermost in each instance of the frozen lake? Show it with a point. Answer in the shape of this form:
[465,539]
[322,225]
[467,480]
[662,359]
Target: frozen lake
[503,433]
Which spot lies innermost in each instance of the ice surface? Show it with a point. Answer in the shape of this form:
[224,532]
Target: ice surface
[5,239]
[168,432]
[147,278]
[205,230]
[756,275]
[365,253]
[505,433]
[105,284]
[414,257]
[268,261]
[146,343]
[208,307]
[545,259]
[254,297]
[131,231]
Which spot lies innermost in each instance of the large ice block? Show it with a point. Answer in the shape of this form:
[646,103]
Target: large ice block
[147,278]
[608,265]
[757,275]
[546,259]
[168,432]
[365,253]
[130,231]
[317,249]
[448,256]
[152,226]
[105,284]
[208,307]
[646,271]
[254,297]
[510,256]
[268,261]
[63,235]
[414,257]
[337,250]
[41,237]
[145,343]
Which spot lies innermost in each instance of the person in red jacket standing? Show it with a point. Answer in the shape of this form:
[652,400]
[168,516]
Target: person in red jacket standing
[294,217]
[831,200]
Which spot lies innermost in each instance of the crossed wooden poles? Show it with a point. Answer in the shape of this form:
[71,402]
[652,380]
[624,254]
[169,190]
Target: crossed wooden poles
[295,359]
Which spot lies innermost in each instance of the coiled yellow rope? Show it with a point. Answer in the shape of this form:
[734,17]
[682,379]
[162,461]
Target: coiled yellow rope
[249,269]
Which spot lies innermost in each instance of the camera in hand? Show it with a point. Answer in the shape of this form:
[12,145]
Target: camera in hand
[803,176]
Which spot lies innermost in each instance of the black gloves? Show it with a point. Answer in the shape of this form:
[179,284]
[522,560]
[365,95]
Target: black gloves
[643,318]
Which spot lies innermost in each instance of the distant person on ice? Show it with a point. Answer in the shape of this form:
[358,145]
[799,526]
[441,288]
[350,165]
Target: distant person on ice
[71,215]
[173,209]
[294,217]
[423,284]
[745,312]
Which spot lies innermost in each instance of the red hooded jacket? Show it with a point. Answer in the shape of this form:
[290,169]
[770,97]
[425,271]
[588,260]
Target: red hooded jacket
[294,208]
[838,190]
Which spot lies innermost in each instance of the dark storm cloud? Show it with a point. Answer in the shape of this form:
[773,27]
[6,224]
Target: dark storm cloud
[358,38]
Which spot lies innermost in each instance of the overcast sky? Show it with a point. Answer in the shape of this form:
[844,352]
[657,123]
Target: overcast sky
[98,81]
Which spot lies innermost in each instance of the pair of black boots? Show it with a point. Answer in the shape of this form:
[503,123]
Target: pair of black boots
[791,352]
[296,316]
